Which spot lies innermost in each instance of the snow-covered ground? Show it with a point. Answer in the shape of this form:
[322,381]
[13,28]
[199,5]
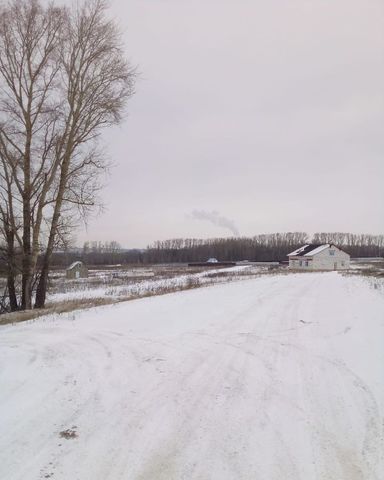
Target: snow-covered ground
[82,289]
[276,378]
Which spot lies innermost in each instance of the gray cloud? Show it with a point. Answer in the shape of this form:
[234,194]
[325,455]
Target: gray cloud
[270,111]
[216,219]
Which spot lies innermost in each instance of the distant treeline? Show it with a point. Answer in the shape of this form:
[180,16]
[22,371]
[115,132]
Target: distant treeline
[261,248]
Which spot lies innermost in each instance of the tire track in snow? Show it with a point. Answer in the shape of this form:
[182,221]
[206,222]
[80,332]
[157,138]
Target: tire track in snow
[251,393]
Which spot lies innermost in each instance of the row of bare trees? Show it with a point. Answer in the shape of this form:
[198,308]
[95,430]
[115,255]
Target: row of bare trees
[98,246]
[268,247]
[63,79]
[259,248]
[357,244]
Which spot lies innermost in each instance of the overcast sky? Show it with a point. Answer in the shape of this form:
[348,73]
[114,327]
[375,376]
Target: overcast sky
[250,116]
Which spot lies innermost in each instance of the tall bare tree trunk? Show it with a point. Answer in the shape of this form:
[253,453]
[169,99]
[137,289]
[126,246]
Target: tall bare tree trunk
[11,272]
[12,292]
[26,281]
[27,268]
[13,304]
[41,291]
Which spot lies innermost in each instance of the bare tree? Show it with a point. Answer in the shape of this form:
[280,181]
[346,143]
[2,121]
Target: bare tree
[29,37]
[63,79]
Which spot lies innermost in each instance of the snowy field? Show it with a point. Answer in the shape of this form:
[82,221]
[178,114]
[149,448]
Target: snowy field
[275,378]
[124,287]
[118,283]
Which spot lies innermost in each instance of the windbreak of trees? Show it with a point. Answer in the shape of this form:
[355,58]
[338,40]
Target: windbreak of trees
[261,248]
[357,245]
[96,253]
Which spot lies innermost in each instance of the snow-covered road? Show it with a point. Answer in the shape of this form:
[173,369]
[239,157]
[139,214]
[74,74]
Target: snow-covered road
[277,378]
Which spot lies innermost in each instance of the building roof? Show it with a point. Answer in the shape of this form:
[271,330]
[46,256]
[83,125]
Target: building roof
[75,264]
[309,250]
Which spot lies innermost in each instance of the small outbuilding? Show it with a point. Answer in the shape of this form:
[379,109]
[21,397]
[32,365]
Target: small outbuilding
[319,257]
[77,270]
[212,260]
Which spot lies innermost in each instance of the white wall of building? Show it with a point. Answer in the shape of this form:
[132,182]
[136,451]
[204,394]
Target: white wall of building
[330,258]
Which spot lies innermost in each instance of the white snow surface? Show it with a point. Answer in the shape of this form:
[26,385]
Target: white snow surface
[141,287]
[74,264]
[316,250]
[297,251]
[276,378]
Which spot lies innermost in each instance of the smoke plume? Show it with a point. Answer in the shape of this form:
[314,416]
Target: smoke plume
[216,219]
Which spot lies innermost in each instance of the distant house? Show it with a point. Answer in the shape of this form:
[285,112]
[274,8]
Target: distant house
[318,257]
[212,260]
[77,270]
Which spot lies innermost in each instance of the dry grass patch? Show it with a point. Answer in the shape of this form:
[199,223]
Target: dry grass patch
[58,308]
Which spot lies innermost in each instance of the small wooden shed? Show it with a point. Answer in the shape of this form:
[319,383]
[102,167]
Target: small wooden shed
[77,270]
